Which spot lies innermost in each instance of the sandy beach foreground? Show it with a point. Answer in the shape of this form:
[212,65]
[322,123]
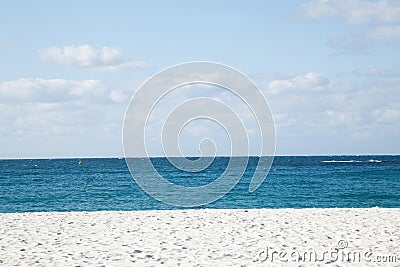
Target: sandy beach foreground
[259,237]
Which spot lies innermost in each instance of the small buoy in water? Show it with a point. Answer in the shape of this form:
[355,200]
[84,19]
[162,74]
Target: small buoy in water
[80,162]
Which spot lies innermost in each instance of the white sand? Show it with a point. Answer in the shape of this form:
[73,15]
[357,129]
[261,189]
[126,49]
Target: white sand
[202,237]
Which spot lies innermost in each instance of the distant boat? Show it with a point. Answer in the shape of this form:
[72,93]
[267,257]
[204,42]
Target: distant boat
[80,162]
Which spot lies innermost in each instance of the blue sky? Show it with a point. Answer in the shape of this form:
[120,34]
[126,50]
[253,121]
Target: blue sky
[330,70]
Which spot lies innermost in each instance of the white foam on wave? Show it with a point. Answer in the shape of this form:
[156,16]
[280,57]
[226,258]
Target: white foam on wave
[375,160]
[341,161]
[351,161]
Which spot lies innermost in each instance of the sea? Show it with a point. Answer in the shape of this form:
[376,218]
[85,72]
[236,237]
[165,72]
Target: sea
[44,185]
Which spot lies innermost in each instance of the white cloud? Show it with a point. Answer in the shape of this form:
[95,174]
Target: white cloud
[169,102]
[48,91]
[387,115]
[88,89]
[377,72]
[349,43]
[354,11]
[117,96]
[359,42]
[356,116]
[308,108]
[35,90]
[108,59]
[384,33]
[57,117]
[309,81]
[381,20]
[124,65]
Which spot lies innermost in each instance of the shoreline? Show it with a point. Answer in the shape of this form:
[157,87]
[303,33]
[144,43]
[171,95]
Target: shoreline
[196,237]
[199,209]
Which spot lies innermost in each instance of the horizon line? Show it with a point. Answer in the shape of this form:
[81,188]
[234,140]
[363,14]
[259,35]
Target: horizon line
[192,156]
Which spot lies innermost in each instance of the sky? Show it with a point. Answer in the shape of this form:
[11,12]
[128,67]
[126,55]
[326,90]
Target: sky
[330,70]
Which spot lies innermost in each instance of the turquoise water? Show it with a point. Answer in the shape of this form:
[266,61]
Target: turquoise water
[293,182]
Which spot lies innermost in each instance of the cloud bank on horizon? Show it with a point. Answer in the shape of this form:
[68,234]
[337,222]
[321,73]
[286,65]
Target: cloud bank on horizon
[330,72]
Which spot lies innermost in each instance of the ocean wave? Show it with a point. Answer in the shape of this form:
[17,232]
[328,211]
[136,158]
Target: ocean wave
[341,161]
[352,161]
[375,160]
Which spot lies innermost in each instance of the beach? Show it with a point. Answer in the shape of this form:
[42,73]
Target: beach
[203,237]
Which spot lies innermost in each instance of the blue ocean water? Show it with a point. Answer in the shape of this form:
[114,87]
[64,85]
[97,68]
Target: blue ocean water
[293,182]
